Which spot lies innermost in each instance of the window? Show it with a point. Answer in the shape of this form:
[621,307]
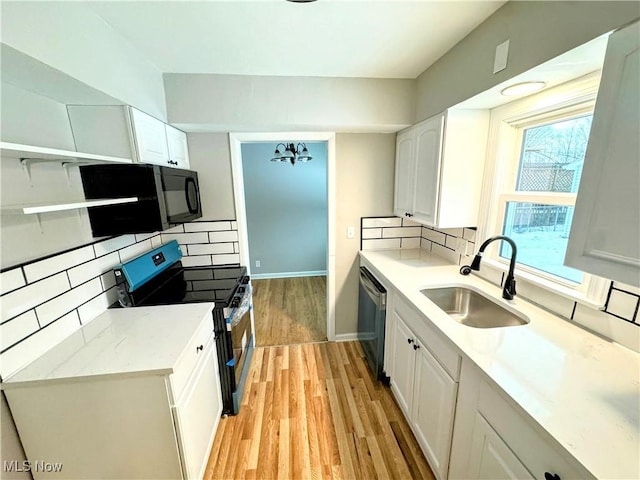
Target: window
[534,168]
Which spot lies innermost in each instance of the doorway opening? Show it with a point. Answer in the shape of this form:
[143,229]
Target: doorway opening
[286,220]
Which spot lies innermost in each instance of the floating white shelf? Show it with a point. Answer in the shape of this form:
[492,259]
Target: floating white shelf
[29,209]
[33,153]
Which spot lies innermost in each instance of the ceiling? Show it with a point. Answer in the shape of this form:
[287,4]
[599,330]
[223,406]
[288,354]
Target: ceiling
[327,38]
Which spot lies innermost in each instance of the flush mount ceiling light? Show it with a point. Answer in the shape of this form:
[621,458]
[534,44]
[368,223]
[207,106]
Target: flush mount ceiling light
[292,153]
[522,88]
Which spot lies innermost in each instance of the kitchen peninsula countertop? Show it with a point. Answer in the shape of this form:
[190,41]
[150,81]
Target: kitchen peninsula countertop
[123,341]
[582,389]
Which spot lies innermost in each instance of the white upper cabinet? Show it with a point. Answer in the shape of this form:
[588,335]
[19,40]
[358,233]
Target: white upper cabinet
[606,222]
[178,149]
[123,131]
[150,138]
[439,168]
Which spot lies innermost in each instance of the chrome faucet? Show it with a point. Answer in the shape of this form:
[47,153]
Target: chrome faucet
[509,290]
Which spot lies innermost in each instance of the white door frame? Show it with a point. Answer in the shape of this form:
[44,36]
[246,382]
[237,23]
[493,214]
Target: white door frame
[235,142]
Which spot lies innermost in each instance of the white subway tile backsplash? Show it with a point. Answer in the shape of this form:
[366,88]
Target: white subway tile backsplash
[31,348]
[544,298]
[156,241]
[425,244]
[186,238]
[215,237]
[108,280]
[410,223]
[622,304]
[234,225]
[226,259]
[455,232]
[624,333]
[144,236]
[451,242]
[53,309]
[401,232]
[381,222]
[135,250]
[11,280]
[445,253]
[45,268]
[96,306]
[371,233]
[626,288]
[381,244]
[410,242]
[207,226]
[197,261]
[433,235]
[176,229]
[25,298]
[15,330]
[210,248]
[113,244]
[236,247]
[94,268]
[469,234]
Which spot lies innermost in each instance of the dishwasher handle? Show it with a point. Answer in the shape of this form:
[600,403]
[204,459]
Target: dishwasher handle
[374,289]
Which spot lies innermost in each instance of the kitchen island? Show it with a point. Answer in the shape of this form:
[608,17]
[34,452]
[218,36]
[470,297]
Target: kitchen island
[548,394]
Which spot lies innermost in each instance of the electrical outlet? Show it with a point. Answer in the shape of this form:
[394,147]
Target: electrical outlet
[351,231]
[461,246]
[257,263]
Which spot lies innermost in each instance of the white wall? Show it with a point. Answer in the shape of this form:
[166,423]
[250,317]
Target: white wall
[260,103]
[71,38]
[537,31]
[286,211]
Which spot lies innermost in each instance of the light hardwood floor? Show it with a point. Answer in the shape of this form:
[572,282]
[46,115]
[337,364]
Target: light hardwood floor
[314,411]
[289,311]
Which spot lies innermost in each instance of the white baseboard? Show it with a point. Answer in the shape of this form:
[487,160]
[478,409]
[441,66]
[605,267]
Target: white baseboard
[346,337]
[264,276]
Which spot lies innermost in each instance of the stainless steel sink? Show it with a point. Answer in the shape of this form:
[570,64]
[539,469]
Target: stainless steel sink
[470,308]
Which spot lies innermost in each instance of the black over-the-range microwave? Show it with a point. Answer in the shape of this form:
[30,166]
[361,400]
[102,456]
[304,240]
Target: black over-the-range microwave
[166,197]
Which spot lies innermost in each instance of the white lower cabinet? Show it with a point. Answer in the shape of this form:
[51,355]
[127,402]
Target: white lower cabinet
[424,390]
[494,439]
[490,457]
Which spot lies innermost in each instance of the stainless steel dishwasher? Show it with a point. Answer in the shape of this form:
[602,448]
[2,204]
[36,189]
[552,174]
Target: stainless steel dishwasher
[372,309]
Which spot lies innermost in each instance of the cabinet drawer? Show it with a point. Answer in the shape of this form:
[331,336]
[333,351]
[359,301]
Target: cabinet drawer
[537,453]
[190,357]
[442,350]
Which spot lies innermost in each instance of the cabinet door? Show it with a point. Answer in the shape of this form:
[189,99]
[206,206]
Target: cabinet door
[428,148]
[405,178]
[150,138]
[197,413]
[178,150]
[604,232]
[490,457]
[433,408]
[403,364]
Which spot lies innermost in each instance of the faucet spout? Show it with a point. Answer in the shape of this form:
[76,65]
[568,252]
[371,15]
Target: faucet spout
[509,288]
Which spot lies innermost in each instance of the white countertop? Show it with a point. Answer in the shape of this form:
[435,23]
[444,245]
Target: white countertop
[582,389]
[123,341]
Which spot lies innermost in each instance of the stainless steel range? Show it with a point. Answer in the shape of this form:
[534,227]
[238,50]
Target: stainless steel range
[159,278]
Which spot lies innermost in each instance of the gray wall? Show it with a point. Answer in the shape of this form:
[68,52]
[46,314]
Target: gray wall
[209,156]
[286,211]
[364,187]
[240,103]
[538,31]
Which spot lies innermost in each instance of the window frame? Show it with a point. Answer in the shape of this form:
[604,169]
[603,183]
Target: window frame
[506,130]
